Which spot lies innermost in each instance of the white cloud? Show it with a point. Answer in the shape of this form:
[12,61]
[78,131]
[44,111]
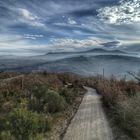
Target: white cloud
[18,45]
[26,14]
[27,17]
[126,12]
[32,36]
[71,21]
[74,44]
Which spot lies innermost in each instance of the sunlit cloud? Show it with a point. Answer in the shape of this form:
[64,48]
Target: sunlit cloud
[27,17]
[71,21]
[26,14]
[126,12]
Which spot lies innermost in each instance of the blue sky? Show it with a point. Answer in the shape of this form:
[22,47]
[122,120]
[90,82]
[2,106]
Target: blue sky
[34,27]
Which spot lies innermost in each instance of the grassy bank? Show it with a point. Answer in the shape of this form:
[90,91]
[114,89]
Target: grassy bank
[38,105]
[122,101]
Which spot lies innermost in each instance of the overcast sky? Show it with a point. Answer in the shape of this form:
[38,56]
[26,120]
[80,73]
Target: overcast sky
[39,26]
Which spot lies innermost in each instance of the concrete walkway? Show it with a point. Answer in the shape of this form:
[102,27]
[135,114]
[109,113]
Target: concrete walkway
[89,123]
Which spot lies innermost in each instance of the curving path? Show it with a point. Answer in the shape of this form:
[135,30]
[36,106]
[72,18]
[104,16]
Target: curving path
[90,122]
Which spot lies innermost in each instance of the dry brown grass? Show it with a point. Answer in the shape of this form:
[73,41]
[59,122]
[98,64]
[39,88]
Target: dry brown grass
[122,100]
[127,116]
[113,90]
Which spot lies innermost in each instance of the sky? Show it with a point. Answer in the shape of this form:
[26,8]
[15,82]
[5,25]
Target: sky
[35,27]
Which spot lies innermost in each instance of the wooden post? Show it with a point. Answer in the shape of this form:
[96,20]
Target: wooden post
[103,73]
[103,77]
[22,82]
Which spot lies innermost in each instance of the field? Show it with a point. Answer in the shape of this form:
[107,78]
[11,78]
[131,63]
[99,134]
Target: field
[35,106]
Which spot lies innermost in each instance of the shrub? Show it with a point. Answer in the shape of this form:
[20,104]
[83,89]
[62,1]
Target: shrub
[69,95]
[37,137]
[128,116]
[38,96]
[44,100]
[36,105]
[109,91]
[6,135]
[23,123]
[38,91]
[55,102]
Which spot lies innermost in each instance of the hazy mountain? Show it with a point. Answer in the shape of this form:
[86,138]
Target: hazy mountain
[117,65]
[95,50]
[133,48]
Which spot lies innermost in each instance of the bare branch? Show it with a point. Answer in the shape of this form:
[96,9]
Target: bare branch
[134,75]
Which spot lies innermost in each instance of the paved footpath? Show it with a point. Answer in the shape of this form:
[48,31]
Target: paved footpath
[90,122]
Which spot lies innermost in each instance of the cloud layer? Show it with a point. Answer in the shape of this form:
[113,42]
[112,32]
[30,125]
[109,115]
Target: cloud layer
[54,25]
[127,12]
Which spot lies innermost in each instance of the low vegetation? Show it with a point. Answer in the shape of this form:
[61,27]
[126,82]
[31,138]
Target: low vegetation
[31,112]
[122,101]
[31,108]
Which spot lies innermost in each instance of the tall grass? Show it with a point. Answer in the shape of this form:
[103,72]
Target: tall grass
[122,99]
[128,116]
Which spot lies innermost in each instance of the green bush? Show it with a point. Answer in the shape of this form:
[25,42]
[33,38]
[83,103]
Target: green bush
[55,102]
[37,137]
[36,105]
[45,100]
[38,96]
[38,91]
[6,135]
[69,95]
[24,124]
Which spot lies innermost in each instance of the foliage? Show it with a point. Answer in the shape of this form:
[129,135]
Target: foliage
[113,90]
[44,100]
[23,124]
[55,102]
[69,95]
[123,101]
[6,135]
[23,111]
[128,116]
[38,90]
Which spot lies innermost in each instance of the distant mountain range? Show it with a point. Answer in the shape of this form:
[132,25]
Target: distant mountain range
[101,50]
[117,65]
[95,50]
[86,63]
[133,48]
